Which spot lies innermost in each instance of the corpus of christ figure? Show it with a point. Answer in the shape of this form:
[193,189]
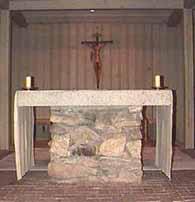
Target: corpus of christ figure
[96,47]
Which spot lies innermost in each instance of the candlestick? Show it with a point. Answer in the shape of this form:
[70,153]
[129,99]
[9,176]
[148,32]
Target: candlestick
[28,82]
[157,81]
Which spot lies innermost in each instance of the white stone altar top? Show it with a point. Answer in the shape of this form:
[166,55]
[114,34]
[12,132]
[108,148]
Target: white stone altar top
[94,97]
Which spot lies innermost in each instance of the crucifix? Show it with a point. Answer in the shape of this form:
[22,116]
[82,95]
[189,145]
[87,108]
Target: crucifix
[95,54]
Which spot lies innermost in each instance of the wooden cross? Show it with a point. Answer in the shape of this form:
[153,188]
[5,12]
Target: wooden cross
[95,54]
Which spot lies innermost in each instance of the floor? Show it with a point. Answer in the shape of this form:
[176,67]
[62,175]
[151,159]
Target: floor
[155,187]
[37,186]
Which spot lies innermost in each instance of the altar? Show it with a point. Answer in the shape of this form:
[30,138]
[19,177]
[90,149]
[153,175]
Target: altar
[24,118]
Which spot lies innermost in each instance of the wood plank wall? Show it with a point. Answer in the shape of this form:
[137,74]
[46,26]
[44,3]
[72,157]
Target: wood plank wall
[53,54]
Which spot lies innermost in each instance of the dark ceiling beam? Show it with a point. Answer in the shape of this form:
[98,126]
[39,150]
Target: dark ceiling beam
[175,18]
[19,19]
[4,4]
[188,3]
[95,4]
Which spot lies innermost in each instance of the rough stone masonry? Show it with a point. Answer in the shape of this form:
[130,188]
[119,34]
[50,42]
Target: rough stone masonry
[96,144]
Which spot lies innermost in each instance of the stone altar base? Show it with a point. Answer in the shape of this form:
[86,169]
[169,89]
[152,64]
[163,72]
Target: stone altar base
[96,144]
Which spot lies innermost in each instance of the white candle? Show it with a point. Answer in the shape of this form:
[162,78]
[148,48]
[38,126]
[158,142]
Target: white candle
[28,82]
[157,81]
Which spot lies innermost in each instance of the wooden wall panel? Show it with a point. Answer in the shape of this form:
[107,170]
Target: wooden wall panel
[54,55]
[115,79]
[4,79]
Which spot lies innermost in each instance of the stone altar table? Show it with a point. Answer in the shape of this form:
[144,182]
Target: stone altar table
[24,117]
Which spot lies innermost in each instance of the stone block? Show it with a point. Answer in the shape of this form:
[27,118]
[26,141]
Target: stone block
[61,170]
[113,147]
[60,145]
[134,149]
[84,135]
[96,143]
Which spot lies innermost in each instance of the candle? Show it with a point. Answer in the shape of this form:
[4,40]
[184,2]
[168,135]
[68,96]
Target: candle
[157,81]
[28,82]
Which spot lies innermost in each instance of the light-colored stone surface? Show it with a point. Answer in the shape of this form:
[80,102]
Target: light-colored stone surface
[60,129]
[94,98]
[111,163]
[133,133]
[127,119]
[113,147]
[101,150]
[60,145]
[70,171]
[134,148]
[84,135]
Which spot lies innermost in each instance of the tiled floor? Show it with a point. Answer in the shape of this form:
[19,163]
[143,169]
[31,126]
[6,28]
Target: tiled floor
[155,187]
[37,186]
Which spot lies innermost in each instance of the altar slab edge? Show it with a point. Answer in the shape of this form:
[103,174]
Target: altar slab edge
[94,98]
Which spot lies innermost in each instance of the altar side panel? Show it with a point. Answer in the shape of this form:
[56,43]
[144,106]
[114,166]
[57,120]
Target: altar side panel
[24,147]
[163,158]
